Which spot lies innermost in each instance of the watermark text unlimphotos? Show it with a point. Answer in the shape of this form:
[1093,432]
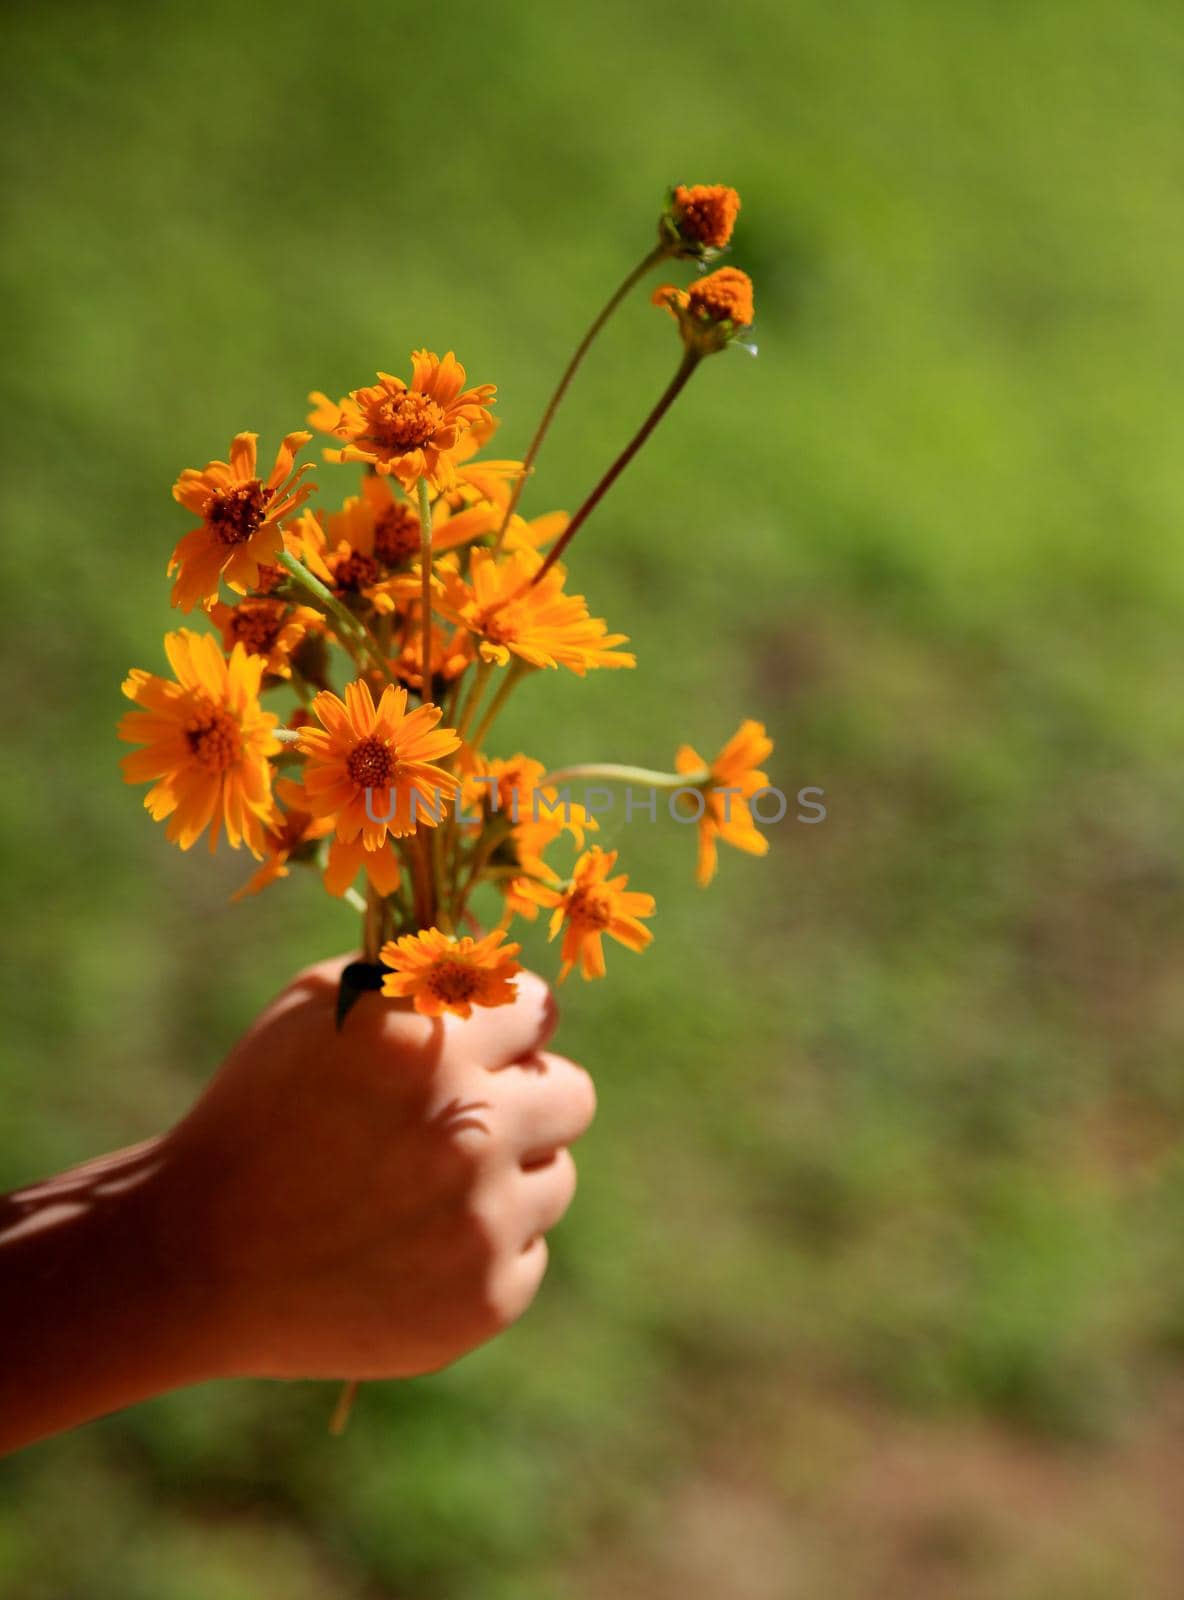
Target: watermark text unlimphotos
[768,805]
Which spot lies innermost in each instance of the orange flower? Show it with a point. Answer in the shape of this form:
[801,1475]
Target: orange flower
[701,217]
[297,831]
[360,750]
[537,533]
[370,549]
[723,296]
[343,558]
[266,627]
[207,742]
[537,814]
[240,519]
[349,857]
[539,624]
[442,974]
[289,834]
[713,311]
[450,656]
[407,431]
[592,905]
[482,480]
[732,779]
[532,817]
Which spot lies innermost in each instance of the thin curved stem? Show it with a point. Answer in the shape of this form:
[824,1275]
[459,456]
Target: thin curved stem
[516,671]
[422,846]
[466,707]
[480,673]
[614,772]
[482,851]
[536,444]
[352,630]
[673,389]
[345,1404]
[419,885]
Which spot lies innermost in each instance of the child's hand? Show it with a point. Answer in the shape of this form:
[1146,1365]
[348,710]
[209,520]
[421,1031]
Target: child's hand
[366,1203]
[372,1202]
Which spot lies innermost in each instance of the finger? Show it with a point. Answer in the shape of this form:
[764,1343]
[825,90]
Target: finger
[542,1102]
[490,1035]
[546,1192]
[495,1035]
[517,1281]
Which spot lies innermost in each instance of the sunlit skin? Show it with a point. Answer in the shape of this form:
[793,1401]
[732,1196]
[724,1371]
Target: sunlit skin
[364,1203]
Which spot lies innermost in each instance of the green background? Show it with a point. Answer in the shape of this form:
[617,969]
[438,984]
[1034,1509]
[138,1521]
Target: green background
[874,1284]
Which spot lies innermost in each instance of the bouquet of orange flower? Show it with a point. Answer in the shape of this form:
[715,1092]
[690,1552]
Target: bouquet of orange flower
[429,598]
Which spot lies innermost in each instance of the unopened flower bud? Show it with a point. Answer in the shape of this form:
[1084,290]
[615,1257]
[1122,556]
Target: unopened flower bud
[712,311]
[698,219]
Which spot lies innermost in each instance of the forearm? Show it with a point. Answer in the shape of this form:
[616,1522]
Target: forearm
[98,1309]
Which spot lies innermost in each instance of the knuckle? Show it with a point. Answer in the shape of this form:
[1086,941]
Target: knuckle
[567,1178]
[584,1093]
[486,1210]
[538,1258]
[515,1282]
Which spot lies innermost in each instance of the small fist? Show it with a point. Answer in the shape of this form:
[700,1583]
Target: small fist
[372,1202]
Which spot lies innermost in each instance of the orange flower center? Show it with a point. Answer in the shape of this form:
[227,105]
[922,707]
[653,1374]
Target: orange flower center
[370,764]
[257,624]
[214,738]
[453,981]
[396,535]
[589,908]
[405,421]
[496,625]
[723,296]
[233,515]
[355,571]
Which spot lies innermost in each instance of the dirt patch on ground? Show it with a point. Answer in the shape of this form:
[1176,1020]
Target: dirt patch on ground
[852,1503]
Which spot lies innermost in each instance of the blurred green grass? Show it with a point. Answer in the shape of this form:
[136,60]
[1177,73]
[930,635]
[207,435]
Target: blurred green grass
[892,1118]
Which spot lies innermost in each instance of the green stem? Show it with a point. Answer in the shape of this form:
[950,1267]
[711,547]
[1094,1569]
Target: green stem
[480,675]
[449,708]
[656,254]
[517,670]
[353,630]
[614,772]
[442,919]
[477,862]
[419,884]
[471,701]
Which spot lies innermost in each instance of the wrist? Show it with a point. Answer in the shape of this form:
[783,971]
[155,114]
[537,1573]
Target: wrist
[178,1272]
[102,1308]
